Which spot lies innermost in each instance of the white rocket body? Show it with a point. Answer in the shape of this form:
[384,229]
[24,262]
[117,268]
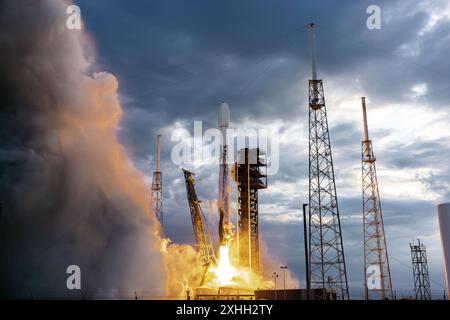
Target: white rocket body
[224,116]
[223,203]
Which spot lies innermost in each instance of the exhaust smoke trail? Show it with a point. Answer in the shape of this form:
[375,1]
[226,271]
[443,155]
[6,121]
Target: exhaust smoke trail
[68,191]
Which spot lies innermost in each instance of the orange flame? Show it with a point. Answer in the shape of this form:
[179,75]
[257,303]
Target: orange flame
[225,272]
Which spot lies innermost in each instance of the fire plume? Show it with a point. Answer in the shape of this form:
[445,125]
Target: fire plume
[225,271]
[225,274]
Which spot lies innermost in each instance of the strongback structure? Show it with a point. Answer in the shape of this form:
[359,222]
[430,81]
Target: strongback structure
[377,275]
[202,234]
[250,175]
[157,197]
[422,287]
[326,258]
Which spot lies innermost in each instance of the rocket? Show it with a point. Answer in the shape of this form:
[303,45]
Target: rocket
[223,203]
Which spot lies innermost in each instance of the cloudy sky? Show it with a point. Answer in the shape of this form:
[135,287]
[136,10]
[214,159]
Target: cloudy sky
[176,61]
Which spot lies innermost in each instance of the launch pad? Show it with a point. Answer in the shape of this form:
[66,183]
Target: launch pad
[233,271]
[224,293]
[268,294]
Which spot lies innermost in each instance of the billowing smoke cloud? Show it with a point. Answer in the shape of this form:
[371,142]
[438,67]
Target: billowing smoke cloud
[68,191]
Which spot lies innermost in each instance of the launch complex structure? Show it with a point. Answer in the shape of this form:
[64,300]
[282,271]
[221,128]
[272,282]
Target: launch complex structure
[325,260]
[249,174]
[249,177]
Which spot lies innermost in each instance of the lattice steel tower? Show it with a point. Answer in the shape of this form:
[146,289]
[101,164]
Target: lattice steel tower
[250,175]
[326,258]
[377,275]
[157,198]
[422,287]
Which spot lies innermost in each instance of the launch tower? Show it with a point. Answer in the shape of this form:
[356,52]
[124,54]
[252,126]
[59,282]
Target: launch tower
[249,172]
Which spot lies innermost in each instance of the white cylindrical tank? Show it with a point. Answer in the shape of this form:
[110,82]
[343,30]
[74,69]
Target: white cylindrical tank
[444,227]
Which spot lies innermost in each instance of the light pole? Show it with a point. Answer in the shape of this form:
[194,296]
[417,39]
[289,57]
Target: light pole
[275,276]
[305,234]
[284,268]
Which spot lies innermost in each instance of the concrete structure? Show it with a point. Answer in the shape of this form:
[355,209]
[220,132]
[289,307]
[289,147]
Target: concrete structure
[444,227]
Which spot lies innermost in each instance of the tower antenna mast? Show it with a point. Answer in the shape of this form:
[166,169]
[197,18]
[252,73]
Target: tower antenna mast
[326,250]
[375,248]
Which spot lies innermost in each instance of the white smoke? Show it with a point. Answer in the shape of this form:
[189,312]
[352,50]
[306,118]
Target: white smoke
[68,191]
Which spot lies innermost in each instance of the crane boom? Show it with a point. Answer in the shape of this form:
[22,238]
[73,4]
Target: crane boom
[200,225]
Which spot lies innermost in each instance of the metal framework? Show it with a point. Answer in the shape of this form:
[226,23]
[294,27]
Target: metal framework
[250,176]
[326,258]
[156,195]
[199,223]
[422,287]
[377,274]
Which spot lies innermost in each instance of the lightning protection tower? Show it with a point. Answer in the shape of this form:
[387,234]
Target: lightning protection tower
[326,258]
[156,196]
[422,287]
[377,275]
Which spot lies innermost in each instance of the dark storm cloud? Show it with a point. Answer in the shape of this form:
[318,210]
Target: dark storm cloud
[418,154]
[341,133]
[196,55]
[246,53]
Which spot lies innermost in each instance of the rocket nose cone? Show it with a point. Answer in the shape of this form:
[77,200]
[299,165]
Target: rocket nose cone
[224,115]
